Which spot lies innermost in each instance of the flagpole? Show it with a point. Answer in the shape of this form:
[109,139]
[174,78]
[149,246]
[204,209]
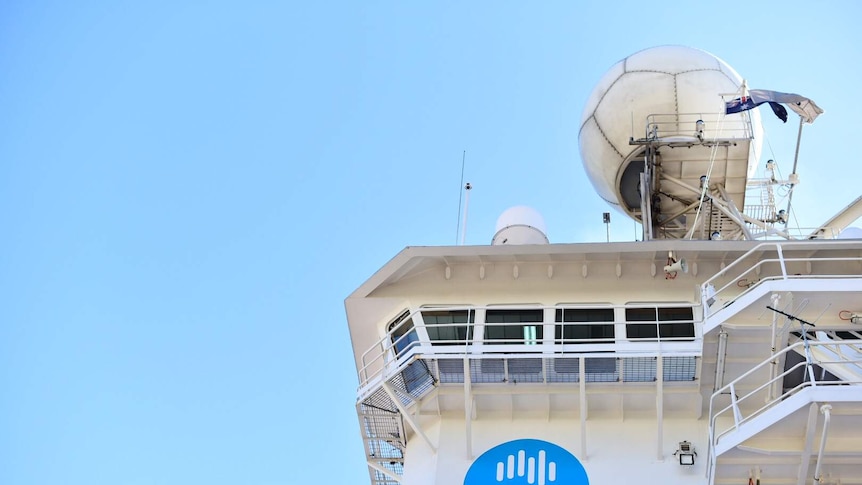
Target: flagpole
[793,176]
[798,139]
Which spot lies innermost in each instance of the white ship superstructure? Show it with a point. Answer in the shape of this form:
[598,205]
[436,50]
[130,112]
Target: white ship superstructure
[704,354]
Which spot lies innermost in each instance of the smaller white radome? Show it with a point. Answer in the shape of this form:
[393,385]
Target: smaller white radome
[520,225]
[851,233]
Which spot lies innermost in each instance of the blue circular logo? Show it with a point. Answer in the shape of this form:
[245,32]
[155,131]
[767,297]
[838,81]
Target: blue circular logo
[528,462]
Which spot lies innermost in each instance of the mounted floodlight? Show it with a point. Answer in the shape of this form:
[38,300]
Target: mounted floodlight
[698,127]
[716,236]
[686,453]
[852,317]
[702,181]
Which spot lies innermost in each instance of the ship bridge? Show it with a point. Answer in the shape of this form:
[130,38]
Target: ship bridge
[598,348]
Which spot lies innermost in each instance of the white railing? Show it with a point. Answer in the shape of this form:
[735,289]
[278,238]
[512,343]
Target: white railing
[714,126]
[745,276]
[755,401]
[408,339]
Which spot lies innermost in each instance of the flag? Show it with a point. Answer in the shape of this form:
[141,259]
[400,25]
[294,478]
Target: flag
[779,111]
[746,103]
[801,105]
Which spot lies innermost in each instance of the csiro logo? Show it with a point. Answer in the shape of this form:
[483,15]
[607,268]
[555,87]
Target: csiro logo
[533,462]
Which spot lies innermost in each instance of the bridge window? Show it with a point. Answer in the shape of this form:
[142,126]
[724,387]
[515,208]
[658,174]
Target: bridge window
[679,323]
[403,334]
[514,326]
[449,327]
[573,325]
[416,376]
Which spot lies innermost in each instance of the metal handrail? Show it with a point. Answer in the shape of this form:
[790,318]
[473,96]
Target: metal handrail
[686,124]
[386,356]
[386,345]
[811,380]
[708,290]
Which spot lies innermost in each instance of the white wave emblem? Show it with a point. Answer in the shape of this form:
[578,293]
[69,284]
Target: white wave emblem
[534,469]
[526,461]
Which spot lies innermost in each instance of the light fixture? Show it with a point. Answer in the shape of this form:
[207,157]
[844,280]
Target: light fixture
[673,266]
[686,453]
[852,317]
[770,170]
[716,236]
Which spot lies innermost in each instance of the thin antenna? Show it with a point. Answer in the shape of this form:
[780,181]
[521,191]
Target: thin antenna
[460,196]
[606,218]
[804,334]
[791,317]
[467,188]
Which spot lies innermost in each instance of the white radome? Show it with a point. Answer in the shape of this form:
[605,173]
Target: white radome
[851,233]
[659,80]
[520,225]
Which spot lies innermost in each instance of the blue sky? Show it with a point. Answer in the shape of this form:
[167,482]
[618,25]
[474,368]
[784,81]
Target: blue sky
[189,190]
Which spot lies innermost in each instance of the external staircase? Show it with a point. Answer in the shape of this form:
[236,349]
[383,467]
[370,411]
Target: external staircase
[794,417]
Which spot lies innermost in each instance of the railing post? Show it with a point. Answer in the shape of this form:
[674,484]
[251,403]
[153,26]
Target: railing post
[781,261]
[737,415]
[810,369]
[809,362]
[710,454]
